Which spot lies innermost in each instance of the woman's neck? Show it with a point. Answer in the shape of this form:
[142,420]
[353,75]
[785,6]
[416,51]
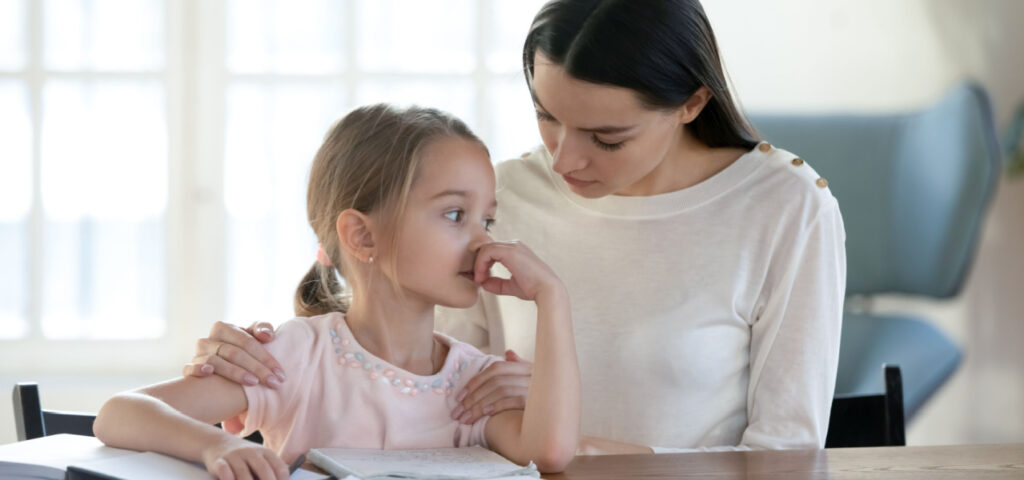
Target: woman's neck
[398,330]
[688,163]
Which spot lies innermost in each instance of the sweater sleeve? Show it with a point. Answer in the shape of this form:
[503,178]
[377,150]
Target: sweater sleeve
[794,347]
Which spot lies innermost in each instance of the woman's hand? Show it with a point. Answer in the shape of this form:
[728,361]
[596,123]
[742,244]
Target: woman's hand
[602,446]
[501,386]
[238,355]
[237,459]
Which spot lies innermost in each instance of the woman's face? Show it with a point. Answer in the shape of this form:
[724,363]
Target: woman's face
[603,140]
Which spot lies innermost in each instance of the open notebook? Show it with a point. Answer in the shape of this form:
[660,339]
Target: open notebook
[429,464]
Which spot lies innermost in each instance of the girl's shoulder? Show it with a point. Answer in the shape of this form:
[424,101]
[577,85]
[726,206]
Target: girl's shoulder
[463,358]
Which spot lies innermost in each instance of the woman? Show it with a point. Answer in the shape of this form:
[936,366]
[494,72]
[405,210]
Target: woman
[706,270]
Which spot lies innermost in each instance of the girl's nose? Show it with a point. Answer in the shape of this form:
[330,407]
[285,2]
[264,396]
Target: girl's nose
[480,239]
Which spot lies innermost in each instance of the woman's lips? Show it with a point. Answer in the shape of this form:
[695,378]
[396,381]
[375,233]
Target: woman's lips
[576,182]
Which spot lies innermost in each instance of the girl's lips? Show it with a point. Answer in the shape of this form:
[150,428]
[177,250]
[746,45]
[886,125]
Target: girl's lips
[576,182]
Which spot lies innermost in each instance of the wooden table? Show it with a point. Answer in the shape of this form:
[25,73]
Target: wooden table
[945,462]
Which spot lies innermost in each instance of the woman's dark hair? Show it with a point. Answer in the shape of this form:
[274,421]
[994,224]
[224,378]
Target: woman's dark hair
[662,49]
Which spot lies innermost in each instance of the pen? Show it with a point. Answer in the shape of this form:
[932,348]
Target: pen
[296,464]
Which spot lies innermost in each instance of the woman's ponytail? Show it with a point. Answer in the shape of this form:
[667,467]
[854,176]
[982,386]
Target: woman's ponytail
[319,293]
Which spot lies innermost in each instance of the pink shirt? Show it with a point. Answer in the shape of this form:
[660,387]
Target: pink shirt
[340,395]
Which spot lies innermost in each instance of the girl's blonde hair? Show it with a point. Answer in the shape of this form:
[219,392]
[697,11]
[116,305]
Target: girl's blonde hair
[367,162]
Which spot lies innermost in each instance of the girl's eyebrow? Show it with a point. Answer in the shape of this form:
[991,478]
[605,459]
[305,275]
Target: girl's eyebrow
[459,193]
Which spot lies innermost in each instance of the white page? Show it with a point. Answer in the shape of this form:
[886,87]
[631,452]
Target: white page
[48,457]
[439,463]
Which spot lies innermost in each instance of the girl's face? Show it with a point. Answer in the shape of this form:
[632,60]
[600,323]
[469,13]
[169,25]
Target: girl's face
[449,211]
[603,139]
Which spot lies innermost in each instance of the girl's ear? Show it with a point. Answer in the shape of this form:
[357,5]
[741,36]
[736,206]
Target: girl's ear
[356,234]
[694,105]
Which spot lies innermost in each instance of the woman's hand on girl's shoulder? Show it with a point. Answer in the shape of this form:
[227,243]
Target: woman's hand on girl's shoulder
[501,386]
[236,459]
[238,355]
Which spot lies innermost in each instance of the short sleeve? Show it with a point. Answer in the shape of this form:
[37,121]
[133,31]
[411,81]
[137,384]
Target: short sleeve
[268,407]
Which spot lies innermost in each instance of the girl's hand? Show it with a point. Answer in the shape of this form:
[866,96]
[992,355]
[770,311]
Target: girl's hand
[501,386]
[237,355]
[532,279]
[237,459]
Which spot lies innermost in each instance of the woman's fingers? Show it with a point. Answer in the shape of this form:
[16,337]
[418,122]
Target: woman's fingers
[510,394]
[500,386]
[240,349]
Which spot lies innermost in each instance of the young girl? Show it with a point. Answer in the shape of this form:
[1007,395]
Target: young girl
[401,202]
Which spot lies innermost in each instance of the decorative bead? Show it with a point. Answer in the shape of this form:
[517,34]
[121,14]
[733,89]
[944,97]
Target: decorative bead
[437,383]
[334,333]
[367,366]
[354,364]
[345,341]
[414,392]
[439,391]
[396,382]
[408,383]
[359,356]
[389,373]
[406,390]
[335,339]
[374,375]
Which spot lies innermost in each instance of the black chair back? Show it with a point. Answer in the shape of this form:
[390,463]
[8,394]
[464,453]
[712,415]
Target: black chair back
[869,420]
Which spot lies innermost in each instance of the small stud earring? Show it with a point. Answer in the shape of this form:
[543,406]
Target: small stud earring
[371,259]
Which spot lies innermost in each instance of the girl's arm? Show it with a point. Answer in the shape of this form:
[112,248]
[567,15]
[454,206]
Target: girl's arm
[176,417]
[547,431]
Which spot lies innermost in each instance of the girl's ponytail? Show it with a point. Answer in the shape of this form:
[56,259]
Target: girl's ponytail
[319,293]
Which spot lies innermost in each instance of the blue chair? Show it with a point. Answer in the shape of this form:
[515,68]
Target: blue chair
[913,190]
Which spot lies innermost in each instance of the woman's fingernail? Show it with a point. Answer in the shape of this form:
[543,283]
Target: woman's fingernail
[206,368]
[250,379]
[460,396]
[457,412]
[273,382]
[464,417]
[280,374]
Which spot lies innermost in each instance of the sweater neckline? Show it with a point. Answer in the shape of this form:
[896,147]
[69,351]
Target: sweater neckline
[662,204]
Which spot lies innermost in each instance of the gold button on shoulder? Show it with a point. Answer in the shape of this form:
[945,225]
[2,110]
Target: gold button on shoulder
[764,147]
[797,162]
[821,182]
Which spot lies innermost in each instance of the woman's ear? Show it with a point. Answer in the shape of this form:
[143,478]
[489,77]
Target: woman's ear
[356,234]
[694,105]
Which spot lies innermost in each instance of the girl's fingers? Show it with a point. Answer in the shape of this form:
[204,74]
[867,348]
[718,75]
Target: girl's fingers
[222,470]
[276,464]
[239,467]
[260,468]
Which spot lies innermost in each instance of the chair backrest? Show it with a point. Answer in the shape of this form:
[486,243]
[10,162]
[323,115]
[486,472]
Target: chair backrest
[913,188]
[31,421]
[869,420]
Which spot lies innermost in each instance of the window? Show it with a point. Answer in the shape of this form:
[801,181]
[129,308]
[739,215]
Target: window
[154,154]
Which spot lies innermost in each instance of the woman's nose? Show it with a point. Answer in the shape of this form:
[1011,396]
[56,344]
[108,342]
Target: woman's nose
[567,156]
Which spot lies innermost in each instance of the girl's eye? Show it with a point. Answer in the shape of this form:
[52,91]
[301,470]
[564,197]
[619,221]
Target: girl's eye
[454,215]
[611,147]
[488,223]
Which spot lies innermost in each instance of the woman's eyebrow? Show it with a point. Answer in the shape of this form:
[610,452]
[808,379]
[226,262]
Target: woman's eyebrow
[604,129]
